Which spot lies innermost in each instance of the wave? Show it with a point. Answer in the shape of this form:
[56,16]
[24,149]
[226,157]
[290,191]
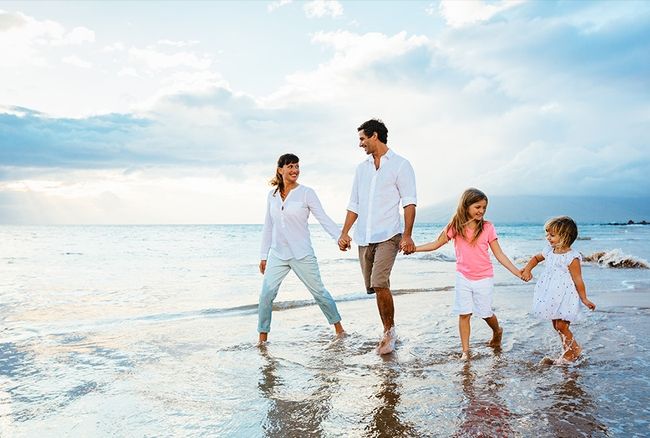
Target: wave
[436,256]
[615,258]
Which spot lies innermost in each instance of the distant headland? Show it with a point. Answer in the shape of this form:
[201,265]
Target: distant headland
[630,222]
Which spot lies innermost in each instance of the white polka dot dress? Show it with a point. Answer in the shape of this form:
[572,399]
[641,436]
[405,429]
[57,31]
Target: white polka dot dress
[555,293]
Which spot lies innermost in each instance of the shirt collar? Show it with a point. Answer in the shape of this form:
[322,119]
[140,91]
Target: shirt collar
[388,155]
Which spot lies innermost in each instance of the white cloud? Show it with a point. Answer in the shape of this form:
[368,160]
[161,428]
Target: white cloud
[157,60]
[353,54]
[459,13]
[323,8]
[277,4]
[76,61]
[177,43]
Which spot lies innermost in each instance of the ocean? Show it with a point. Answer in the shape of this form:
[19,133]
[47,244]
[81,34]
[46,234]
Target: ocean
[151,331]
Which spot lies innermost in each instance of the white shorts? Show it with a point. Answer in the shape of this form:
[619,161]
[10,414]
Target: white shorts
[473,296]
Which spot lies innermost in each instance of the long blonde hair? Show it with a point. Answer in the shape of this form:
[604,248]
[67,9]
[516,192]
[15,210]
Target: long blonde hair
[461,218]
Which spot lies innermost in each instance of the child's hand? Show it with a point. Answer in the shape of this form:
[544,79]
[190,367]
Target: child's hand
[526,275]
[589,304]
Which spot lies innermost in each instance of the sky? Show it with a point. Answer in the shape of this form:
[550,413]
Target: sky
[176,112]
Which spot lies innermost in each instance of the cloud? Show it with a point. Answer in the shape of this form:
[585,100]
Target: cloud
[30,139]
[76,61]
[547,99]
[323,8]
[157,60]
[277,4]
[466,12]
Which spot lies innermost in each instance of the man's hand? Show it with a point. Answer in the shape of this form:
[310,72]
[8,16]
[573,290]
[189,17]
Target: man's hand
[262,266]
[406,245]
[345,242]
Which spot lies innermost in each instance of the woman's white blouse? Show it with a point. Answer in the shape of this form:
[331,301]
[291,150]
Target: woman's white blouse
[286,231]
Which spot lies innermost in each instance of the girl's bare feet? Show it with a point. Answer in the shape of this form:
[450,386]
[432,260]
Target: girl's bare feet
[495,342]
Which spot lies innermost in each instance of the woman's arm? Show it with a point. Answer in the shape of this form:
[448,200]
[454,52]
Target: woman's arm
[576,274]
[317,210]
[432,246]
[503,259]
[267,233]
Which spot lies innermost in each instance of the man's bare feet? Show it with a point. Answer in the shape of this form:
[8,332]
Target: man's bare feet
[495,342]
[387,343]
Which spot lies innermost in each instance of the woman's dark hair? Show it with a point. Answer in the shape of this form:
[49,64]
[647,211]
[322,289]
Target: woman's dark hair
[375,125]
[277,179]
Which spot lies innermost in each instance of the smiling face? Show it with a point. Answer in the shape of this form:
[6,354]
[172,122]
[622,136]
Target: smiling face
[369,144]
[290,173]
[554,239]
[476,211]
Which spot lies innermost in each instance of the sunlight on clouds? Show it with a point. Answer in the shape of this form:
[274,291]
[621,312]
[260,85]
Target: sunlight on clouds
[459,13]
[115,197]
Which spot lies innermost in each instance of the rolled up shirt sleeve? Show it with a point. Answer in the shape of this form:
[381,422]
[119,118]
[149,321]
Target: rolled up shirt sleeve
[353,205]
[406,184]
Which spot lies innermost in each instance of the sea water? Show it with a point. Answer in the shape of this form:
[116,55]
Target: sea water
[150,330]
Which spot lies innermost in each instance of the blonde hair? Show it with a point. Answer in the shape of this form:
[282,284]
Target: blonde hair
[565,227]
[461,218]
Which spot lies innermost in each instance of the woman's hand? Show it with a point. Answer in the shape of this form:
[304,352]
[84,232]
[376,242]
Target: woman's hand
[262,266]
[526,275]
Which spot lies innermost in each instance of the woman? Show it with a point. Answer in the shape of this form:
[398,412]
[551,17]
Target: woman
[286,243]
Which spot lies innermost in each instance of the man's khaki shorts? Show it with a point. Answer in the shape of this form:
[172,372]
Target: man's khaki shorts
[377,261]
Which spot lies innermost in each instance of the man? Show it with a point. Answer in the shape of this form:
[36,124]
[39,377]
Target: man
[380,183]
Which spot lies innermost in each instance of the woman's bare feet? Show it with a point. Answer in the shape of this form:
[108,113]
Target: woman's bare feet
[263,338]
[495,342]
[465,355]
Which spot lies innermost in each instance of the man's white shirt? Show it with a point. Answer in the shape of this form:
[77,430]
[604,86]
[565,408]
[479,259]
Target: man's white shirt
[376,197]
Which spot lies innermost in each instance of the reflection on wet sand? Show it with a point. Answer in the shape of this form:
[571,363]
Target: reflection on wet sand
[485,414]
[385,418]
[572,413]
[289,417]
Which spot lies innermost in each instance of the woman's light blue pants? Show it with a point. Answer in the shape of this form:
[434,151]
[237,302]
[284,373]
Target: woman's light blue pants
[307,271]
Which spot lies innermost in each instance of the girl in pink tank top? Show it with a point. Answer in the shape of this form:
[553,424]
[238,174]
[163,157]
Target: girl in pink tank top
[472,237]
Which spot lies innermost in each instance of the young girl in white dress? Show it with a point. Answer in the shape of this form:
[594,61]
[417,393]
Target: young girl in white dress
[560,288]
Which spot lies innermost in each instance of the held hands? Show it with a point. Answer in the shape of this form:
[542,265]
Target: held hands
[589,304]
[345,242]
[406,245]
[526,275]
[262,266]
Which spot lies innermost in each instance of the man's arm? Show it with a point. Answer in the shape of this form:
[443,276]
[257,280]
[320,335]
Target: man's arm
[344,239]
[407,245]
